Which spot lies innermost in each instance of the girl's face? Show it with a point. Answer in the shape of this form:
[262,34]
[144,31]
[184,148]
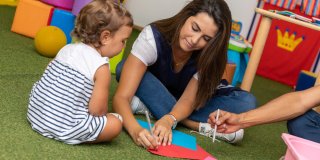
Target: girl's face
[113,44]
[196,32]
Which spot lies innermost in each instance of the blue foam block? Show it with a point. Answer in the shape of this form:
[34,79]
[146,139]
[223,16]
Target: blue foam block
[178,138]
[64,20]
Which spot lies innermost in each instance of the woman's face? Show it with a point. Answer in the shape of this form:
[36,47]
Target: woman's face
[196,32]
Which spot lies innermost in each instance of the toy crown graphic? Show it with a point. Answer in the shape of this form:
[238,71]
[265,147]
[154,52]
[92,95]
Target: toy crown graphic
[286,41]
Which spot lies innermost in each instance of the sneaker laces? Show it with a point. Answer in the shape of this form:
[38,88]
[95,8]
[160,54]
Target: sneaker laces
[207,134]
[206,130]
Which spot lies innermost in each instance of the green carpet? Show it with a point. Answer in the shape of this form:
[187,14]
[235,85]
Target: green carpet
[21,66]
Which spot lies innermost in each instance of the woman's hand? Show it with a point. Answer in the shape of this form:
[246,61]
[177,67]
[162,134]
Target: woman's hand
[227,122]
[142,137]
[162,129]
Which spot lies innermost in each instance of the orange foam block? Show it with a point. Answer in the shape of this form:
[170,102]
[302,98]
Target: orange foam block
[30,16]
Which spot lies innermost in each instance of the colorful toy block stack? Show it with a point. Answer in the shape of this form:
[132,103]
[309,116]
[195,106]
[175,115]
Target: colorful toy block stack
[31,15]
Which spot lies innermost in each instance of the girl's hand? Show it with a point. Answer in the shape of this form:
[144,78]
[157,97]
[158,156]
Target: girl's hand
[162,129]
[143,137]
[227,122]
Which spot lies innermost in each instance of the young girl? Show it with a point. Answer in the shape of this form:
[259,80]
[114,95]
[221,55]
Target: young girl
[175,69]
[70,101]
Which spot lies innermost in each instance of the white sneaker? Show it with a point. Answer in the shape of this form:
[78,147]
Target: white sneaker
[206,130]
[137,106]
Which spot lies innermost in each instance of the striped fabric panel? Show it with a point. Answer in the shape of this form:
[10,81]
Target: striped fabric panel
[286,4]
[311,7]
[58,106]
[290,4]
[274,2]
[280,3]
[316,11]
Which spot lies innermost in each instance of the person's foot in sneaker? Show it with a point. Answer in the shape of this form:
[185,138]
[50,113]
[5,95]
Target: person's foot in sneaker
[206,130]
[138,107]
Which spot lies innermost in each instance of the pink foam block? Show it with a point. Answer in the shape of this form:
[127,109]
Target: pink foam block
[64,4]
[300,149]
[78,5]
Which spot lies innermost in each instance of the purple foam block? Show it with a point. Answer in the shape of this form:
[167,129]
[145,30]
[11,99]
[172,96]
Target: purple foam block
[64,4]
[78,5]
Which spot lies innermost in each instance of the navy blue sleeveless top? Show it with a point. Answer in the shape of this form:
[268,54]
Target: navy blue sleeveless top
[164,71]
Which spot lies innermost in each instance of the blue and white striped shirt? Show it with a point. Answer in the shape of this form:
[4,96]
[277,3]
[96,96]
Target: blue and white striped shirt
[58,104]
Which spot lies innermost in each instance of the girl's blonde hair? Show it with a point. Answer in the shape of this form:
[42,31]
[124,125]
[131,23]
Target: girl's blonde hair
[98,16]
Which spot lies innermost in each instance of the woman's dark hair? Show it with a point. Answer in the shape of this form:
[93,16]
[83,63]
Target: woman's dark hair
[98,16]
[212,58]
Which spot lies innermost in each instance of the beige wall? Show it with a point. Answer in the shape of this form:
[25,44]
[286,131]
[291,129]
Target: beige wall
[147,11]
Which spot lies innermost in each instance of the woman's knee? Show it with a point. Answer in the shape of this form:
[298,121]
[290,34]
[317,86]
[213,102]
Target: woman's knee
[245,100]
[242,101]
[251,101]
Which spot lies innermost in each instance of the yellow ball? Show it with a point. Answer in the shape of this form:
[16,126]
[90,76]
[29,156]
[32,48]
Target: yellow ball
[49,40]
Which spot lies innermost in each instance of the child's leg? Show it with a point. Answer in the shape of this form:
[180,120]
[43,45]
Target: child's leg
[112,128]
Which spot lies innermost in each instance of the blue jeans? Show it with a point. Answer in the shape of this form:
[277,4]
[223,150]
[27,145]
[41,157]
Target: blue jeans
[306,126]
[160,101]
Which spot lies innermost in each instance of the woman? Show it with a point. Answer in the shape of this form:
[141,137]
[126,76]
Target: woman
[175,69]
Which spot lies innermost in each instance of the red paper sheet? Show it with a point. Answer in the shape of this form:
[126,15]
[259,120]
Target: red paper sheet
[175,151]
